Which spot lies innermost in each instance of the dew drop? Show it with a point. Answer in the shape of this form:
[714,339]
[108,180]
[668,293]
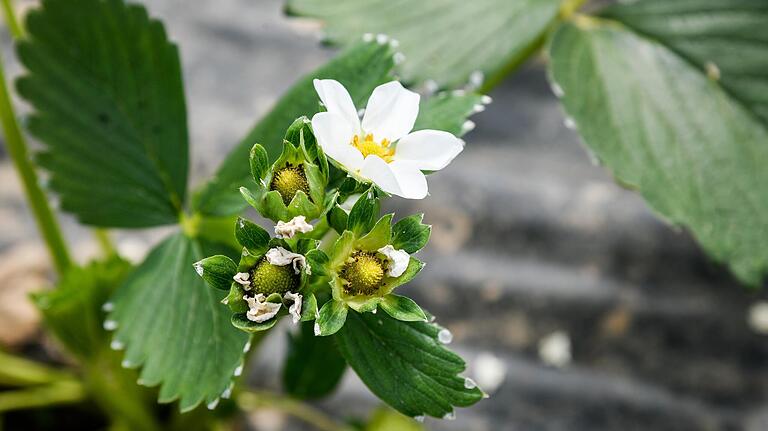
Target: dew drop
[126,363]
[108,306]
[317,329]
[110,325]
[468,125]
[431,86]
[398,57]
[238,371]
[227,392]
[476,79]
[116,345]
[557,90]
[478,108]
[449,416]
[199,268]
[247,346]
[444,336]
[374,310]
[485,99]
[394,43]
[570,123]
[212,405]
[469,383]
[419,419]
[381,38]
[368,37]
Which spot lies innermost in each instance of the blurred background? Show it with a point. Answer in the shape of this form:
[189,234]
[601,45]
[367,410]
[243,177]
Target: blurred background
[574,305]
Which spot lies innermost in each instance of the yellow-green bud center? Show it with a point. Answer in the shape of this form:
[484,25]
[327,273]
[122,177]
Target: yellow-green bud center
[289,180]
[363,273]
[268,279]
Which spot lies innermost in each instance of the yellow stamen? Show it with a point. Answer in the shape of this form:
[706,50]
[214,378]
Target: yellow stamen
[368,147]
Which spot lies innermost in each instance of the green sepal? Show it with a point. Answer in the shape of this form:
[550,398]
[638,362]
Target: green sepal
[250,197]
[235,300]
[337,219]
[414,266]
[317,182]
[378,237]
[301,205]
[309,308]
[410,234]
[259,163]
[403,308]
[318,262]
[363,304]
[305,245]
[332,316]
[272,206]
[217,271]
[241,322]
[341,250]
[251,236]
[363,215]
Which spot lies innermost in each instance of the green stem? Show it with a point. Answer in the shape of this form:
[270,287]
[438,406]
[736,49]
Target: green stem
[15,371]
[17,148]
[63,392]
[105,242]
[10,18]
[312,416]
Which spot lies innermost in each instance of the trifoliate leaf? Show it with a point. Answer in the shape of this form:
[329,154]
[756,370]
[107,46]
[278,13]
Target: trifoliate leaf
[73,311]
[668,128]
[410,234]
[405,364]
[217,271]
[313,367]
[443,40]
[105,84]
[360,69]
[174,327]
[403,308]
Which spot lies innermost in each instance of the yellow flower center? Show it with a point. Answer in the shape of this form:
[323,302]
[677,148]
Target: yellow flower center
[289,180]
[267,278]
[368,147]
[362,274]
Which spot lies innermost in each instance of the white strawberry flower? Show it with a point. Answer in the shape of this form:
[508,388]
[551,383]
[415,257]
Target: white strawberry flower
[382,148]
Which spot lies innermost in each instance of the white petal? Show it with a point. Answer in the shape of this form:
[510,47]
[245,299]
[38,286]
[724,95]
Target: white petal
[279,256]
[289,229]
[337,101]
[391,112]
[335,138]
[377,170]
[429,150]
[412,182]
[295,309]
[397,260]
[242,279]
[259,310]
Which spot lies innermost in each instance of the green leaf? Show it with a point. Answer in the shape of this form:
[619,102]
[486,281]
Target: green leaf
[417,375]
[664,127]
[259,162]
[313,367]
[449,111]
[333,314]
[105,84]
[73,311]
[217,271]
[309,308]
[318,262]
[337,219]
[174,326]
[364,213]
[251,236]
[727,37]
[443,40]
[402,308]
[379,236]
[410,234]
[360,69]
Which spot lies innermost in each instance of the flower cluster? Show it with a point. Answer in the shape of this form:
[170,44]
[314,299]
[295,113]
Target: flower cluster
[331,250]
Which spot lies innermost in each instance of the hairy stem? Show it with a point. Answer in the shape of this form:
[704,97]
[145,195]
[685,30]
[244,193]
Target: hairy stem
[17,148]
[261,399]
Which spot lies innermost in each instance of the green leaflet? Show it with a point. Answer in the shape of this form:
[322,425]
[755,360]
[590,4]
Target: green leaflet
[174,327]
[313,367]
[664,127]
[405,365]
[728,37]
[443,40]
[73,311]
[105,84]
[361,68]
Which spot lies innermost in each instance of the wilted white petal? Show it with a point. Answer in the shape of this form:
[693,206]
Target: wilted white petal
[279,256]
[337,101]
[289,229]
[242,278]
[391,111]
[377,170]
[429,150]
[295,309]
[335,138]
[412,182]
[259,310]
[397,260]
